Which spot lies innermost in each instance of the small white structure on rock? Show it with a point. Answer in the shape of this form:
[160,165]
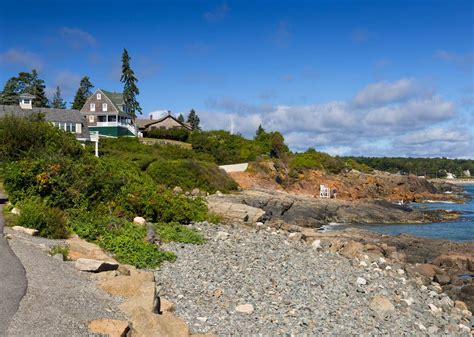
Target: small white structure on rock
[324,191]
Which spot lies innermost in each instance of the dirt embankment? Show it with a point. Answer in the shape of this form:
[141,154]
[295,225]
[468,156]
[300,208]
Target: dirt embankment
[353,185]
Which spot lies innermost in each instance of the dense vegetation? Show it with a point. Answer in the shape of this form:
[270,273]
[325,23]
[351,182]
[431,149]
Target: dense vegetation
[181,135]
[431,167]
[61,189]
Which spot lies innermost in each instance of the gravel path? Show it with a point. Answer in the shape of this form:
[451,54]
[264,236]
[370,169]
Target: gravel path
[296,290]
[59,300]
[12,280]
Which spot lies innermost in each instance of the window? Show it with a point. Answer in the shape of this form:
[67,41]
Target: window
[104,106]
[26,101]
[99,96]
[112,118]
[102,118]
[92,107]
[91,119]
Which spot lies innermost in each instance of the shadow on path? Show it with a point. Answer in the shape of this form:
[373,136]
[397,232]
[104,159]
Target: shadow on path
[13,282]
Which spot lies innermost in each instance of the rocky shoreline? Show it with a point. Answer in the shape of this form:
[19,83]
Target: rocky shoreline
[263,280]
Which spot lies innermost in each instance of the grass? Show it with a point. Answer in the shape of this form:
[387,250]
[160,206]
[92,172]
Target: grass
[60,249]
[174,232]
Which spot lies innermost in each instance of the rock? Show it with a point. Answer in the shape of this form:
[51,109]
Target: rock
[139,221]
[427,270]
[219,193]
[352,249]
[8,236]
[381,305]
[434,309]
[316,244]
[59,257]
[95,266]
[195,192]
[408,301]
[167,305]
[126,269]
[221,235]
[460,305]
[363,264]
[235,212]
[177,190]
[110,327]
[447,304]
[455,260]
[218,293]
[147,324]
[295,237]
[361,281]
[202,319]
[79,248]
[433,329]
[442,279]
[464,328]
[15,211]
[309,233]
[245,308]
[29,231]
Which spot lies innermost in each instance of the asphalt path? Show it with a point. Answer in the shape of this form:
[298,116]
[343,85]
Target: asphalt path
[13,282]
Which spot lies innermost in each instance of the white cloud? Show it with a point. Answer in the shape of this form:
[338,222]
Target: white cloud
[21,58]
[409,120]
[217,14]
[384,92]
[464,61]
[76,37]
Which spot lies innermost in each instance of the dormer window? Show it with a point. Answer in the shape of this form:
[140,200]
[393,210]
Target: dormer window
[104,106]
[92,107]
[99,96]
[26,101]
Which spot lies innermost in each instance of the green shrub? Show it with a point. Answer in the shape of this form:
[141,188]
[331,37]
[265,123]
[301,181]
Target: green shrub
[313,159]
[174,232]
[60,249]
[34,138]
[50,222]
[190,174]
[181,135]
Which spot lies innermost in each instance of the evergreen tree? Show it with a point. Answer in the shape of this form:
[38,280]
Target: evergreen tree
[9,94]
[37,88]
[58,101]
[181,118]
[82,93]
[193,120]
[130,89]
[260,131]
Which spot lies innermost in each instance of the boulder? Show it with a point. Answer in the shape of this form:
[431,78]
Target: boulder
[442,279]
[361,281]
[177,190]
[427,270]
[15,211]
[110,327]
[79,248]
[455,260]
[139,220]
[95,266]
[381,306]
[147,324]
[29,231]
[295,237]
[460,305]
[195,192]
[235,212]
[352,249]
[126,269]
[245,308]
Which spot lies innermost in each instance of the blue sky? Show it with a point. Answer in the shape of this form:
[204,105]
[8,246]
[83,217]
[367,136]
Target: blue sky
[347,77]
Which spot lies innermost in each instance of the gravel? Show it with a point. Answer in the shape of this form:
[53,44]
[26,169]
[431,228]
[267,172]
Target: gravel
[59,300]
[290,288]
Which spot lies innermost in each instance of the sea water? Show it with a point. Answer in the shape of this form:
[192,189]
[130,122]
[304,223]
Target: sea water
[461,229]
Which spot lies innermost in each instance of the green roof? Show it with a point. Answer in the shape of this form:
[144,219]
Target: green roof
[115,97]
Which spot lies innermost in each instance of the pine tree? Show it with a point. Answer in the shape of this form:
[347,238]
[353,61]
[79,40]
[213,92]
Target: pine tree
[37,88]
[130,89]
[9,94]
[193,120]
[260,131]
[181,118]
[82,93]
[58,101]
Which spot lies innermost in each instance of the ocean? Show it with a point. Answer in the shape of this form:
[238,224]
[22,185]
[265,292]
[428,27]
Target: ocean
[461,229]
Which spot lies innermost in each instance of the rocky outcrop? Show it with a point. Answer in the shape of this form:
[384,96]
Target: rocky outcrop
[110,327]
[28,231]
[255,205]
[95,266]
[79,248]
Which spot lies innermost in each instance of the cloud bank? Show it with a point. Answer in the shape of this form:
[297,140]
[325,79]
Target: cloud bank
[399,118]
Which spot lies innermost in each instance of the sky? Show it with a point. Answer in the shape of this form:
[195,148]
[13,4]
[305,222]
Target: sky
[373,78]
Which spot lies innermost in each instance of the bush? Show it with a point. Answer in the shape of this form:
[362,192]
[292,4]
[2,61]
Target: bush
[34,138]
[181,135]
[60,249]
[121,238]
[190,174]
[169,232]
[313,159]
[50,222]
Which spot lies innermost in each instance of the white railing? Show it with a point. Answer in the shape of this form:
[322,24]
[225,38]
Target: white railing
[132,129]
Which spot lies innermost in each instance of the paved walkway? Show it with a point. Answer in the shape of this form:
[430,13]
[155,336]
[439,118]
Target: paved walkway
[12,278]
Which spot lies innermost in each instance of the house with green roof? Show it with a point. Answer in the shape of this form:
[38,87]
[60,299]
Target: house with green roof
[107,113]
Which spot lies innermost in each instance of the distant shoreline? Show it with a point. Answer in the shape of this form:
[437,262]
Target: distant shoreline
[454,181]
